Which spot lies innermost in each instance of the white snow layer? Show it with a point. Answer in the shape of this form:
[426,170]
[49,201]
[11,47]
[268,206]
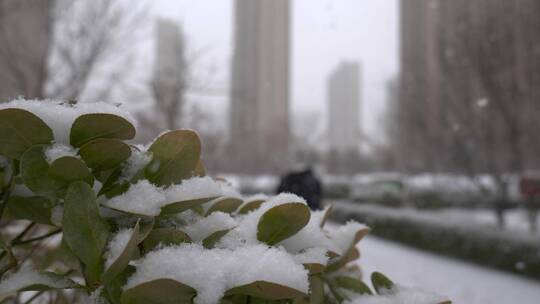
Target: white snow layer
[246,231]
[60,117]
[58,150]
[311,236]
[189,264]
[312,256]
[147,199]
[138,159]
[193,188]
[141,198]
[116,246]
[256,197]
[229,191]
[26,276]
[95,297]
[202,227]
[343,235]
[401,295]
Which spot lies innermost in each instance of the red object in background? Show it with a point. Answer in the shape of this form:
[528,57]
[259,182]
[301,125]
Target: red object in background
[530,186]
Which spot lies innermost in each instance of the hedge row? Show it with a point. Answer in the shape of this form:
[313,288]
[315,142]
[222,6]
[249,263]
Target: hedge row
[504,250]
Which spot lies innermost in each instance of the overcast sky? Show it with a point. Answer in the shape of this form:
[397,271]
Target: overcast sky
[324,32]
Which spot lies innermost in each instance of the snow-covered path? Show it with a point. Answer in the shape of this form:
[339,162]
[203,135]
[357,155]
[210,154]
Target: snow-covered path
[462,282]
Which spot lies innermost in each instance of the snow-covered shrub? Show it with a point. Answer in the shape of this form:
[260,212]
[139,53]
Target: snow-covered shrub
[146,225]
[505,250]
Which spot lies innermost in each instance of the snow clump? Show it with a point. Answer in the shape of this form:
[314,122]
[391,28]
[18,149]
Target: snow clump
[147,199]
[189,265]
[60,117]
[58,150]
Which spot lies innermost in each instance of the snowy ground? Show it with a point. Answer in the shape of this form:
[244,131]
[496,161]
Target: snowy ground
[464,283]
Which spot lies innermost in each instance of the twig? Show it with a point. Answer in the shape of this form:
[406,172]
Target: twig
[18,237]
[38,238]
[34,297]
[6,192]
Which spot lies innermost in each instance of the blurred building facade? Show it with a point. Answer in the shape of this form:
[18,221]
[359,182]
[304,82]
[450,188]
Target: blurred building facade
[25,37]
[343,104]
[259,97]
[468,86]
[169,66]
[169,81]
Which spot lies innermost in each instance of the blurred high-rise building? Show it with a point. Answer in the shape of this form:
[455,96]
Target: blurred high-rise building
[168,81]
[259,97]
[25,36]
[170,67]
[169,63]
[343,98]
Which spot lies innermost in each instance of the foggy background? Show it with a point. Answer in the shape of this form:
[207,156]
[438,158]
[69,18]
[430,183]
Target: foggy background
[420,117]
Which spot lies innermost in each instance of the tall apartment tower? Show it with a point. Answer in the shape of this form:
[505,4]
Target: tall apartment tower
[259,97]
[343,97]
[169,51]
[169,81]
[343,91]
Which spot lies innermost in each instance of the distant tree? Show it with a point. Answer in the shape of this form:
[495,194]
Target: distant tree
[69,49]
[25,39]
[91,46]
[469,87]
[469,90]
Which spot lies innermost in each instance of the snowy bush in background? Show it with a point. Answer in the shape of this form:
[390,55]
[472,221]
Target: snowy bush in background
[144,224]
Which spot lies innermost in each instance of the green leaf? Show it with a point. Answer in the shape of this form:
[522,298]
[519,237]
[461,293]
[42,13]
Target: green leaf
[52,180]
[99,125]
[211,240]
[175,157]
[35,173]
[199,170]
[160,291]
[250,206]
[146,226]
[226,205]
[113,289]
[282,222]
[122,261]
[266,290]
[85,232]
[181,206]
[381,282]
[164,237]
[34,208]
[69,169]
[104,154]
[113,186]
[110,181]
[352,284]
[19,130]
